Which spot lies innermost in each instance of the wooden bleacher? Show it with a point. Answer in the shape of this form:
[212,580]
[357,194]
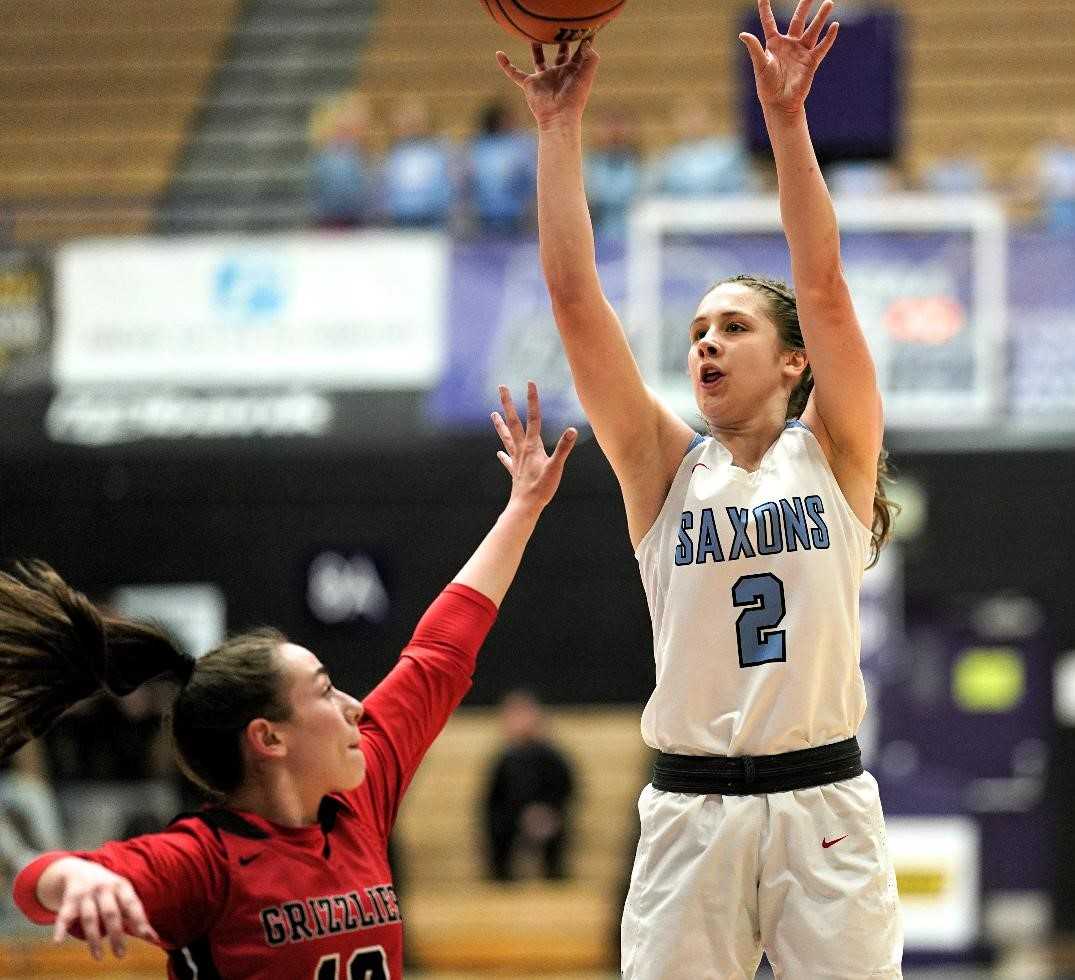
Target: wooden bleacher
[458,921]
[982,75]
[98,99]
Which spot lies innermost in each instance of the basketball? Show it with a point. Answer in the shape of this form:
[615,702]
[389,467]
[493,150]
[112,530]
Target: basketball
[553,21]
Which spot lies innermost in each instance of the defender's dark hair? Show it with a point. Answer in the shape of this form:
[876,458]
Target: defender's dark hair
[785,313]
[57,648]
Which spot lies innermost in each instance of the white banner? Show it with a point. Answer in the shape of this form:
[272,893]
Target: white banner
[938,864]
[364,310]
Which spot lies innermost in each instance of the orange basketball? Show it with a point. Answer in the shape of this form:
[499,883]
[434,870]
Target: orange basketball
[552,21]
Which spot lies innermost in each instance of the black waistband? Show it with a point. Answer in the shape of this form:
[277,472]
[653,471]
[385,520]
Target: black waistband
[746,775]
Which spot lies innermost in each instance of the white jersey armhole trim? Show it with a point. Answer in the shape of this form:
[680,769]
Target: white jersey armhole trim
[695,449]
[814,447]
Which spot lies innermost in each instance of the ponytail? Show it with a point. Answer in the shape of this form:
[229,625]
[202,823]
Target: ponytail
[57,648]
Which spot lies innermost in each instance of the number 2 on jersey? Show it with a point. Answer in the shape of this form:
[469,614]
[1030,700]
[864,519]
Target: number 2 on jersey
[364,964]
[763,598]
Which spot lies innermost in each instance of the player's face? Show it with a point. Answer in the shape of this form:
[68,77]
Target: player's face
[324,747]
[736,358]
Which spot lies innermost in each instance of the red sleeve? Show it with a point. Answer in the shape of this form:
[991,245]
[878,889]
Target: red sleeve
[408,709]
[180,875]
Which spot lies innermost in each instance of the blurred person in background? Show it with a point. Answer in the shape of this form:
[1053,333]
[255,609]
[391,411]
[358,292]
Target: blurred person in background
[862,178]
[529,787]
[761,830]
[287,875]
[113,763]
[704,161]
[340,174]
[29,815]
[959,173]
[614,172]
[419,174]
[501,167]
[1047,178]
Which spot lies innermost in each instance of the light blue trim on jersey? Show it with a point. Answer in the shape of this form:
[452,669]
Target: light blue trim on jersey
[796,424]
[695,443]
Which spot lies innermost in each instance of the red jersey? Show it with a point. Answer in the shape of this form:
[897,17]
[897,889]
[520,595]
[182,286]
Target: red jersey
[234,896]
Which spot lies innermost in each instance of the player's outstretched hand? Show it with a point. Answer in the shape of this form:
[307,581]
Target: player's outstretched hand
[784,69]
[558,92]
[104,904]
[534,474]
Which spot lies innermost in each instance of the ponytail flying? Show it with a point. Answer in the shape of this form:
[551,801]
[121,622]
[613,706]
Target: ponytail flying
[57,648]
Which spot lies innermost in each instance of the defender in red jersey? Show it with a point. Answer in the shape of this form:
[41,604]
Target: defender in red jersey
[288,876]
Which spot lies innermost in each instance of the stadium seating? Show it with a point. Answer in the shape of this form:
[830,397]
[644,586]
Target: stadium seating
[458,921]
[98,99]
[985,77]
[112,113]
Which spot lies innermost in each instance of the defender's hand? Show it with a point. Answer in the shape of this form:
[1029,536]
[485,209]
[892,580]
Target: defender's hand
[534,474]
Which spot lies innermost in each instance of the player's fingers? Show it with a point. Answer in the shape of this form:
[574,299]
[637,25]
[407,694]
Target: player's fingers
[539,56]
[506,460]
[585,51]
[518,77]
[65,915]
[511,417]
[563,53]
[111,921]
[768,21]
[813,32]
[755,50]
[798,19]
[826,42]
[135,913]
[503,432]
[533,411]
[91,927]
[563,449]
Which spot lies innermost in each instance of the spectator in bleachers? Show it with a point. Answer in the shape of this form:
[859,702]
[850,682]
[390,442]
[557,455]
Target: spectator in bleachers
[117,748]
[704,161]
[862,178]
[1052,177]
[419,178]
[340,173]
[614,173]
[962,173]
[528,791]
[501,172]
[29,815]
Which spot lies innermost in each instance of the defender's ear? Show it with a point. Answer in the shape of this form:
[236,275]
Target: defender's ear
[263,740]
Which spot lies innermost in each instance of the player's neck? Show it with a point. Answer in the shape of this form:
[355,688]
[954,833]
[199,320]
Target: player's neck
[749,440]
[278,800]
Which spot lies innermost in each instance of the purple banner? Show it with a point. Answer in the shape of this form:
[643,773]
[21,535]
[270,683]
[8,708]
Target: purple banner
[913,293]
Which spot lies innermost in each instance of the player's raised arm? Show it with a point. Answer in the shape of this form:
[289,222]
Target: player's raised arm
[644,441]
[846,401]
[535,477]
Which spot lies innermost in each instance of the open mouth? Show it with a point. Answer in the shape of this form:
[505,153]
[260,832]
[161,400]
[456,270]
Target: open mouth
[710,376]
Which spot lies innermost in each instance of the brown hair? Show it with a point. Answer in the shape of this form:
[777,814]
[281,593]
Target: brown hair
[785,314]
[57,648]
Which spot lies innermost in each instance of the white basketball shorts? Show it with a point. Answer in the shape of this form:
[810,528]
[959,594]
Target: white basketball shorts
[803,875]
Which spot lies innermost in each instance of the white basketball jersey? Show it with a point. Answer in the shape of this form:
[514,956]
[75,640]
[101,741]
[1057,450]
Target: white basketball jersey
[753,583]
